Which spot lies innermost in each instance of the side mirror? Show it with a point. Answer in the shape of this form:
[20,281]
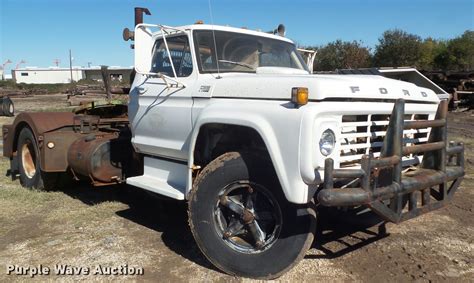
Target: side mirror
[143,55]
[143,49]
[309,56]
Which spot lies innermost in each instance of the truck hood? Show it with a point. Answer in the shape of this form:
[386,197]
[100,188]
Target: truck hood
[320,87]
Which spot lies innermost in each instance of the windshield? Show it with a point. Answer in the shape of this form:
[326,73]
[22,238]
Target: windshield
[239,52]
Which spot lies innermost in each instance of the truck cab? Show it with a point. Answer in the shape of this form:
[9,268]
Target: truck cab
[167,100]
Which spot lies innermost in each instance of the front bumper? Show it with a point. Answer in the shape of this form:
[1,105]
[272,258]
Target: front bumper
[383,186]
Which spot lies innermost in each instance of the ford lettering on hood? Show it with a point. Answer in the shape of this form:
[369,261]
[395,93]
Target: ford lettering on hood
[321,87]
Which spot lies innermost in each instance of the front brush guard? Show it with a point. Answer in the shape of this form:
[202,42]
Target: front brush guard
[383,186]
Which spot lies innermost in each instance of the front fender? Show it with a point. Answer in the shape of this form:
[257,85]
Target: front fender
[279,125]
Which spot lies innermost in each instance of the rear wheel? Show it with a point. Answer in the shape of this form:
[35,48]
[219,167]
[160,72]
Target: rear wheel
[7,107]
[243,223]
[31,175]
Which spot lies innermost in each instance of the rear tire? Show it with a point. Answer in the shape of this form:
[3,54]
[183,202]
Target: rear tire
[8,109]
[228,239]
[31,176]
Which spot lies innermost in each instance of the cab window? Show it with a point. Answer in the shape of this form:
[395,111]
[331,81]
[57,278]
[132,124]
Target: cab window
[180,55]
[225,51]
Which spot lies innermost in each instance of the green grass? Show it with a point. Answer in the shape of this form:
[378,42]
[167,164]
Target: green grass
[54,206]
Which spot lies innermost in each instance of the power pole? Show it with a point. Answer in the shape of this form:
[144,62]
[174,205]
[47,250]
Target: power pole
[70,63]
[19,63]
[3,68]
[6,63]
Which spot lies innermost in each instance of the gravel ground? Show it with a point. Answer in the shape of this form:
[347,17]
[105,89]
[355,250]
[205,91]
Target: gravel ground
[83,226]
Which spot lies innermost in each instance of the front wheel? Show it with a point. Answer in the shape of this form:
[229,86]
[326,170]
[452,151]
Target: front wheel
[242,222]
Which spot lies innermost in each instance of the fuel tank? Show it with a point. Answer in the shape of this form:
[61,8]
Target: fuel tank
[103,158]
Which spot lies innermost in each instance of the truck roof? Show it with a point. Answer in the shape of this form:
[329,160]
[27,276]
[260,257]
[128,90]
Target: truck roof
[233,29]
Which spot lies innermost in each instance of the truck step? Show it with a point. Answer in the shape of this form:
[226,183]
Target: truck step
[162,176]
[157,186]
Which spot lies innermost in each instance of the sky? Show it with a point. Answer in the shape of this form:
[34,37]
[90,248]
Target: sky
[40,31]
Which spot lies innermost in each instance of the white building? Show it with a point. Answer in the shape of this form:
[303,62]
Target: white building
[51,75]
[55,75]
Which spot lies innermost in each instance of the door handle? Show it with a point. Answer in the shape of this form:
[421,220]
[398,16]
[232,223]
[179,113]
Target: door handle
[142,89]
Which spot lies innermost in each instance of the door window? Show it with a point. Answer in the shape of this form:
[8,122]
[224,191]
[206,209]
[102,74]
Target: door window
[180,55]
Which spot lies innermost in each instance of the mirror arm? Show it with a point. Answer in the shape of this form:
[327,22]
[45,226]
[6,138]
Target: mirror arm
[165,78]
[169,54]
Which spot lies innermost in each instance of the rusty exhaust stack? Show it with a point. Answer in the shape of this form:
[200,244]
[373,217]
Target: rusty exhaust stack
[129,34]
[139,15]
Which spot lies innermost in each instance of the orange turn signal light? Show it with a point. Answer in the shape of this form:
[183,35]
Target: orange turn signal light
[299,95]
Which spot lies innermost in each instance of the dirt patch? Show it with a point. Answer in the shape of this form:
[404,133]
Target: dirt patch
[113,226]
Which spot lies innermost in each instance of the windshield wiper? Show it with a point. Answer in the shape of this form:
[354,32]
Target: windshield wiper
[238,63]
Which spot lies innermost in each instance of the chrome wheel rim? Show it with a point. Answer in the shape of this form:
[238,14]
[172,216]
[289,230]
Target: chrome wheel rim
[247,217]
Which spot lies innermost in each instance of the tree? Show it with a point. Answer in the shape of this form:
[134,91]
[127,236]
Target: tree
[342,55]
[430,49]
[398,48]
[459,53]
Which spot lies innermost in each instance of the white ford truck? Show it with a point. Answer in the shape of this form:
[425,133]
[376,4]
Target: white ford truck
[231,121]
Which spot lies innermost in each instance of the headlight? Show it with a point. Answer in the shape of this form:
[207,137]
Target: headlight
[327,142]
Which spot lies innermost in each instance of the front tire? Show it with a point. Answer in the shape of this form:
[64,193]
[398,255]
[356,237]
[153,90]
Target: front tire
[243,223]
[31,175]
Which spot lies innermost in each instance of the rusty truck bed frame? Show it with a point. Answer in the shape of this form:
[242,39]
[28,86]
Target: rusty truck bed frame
[93,143]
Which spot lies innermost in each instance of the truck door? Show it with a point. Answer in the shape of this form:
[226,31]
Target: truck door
[162,123]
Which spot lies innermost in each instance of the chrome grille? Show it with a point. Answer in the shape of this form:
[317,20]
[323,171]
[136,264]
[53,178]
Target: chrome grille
[364,134]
